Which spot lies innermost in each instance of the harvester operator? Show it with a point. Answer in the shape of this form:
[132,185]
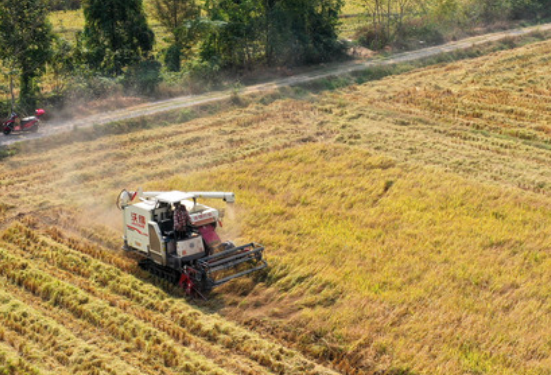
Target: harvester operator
[182,222]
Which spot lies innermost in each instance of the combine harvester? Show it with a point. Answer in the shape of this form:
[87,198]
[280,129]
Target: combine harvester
[198,260]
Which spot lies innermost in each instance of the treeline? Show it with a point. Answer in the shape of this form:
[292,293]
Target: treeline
[401,23]
[203,39]
[116,46]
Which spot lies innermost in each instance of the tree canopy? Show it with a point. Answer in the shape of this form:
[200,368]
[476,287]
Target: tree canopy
[302,31]
[25,41]
[116,34]
[178,17]
[278,32]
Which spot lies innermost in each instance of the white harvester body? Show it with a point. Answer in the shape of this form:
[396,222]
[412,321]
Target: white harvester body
[149,230]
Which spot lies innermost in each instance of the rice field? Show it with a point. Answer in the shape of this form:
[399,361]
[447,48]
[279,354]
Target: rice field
[69,305]
[405,222]
[487,119]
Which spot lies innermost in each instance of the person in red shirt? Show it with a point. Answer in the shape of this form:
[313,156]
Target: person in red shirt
[182,221]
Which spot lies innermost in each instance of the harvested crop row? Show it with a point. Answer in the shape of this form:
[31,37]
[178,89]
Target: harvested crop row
[140,300]
[56,342]
[19,356]
[123,292]
[159,348]
[486,118]
[12,362]
[87,331]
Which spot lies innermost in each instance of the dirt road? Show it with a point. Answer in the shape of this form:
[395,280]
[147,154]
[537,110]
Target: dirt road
[327,71]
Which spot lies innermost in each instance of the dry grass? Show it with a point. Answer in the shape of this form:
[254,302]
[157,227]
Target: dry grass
[487,118]
[404,234]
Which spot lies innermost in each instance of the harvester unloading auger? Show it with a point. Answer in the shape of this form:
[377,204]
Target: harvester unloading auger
[197,261]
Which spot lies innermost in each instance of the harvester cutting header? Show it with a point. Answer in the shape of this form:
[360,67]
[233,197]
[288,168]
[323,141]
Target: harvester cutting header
[178,241]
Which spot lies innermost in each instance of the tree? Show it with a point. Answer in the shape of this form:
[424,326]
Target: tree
[178,18]
[61,65]
[532,9]
[25,44]
[387,17]
[116,34]
[237,43]
[278,32]
[302,31]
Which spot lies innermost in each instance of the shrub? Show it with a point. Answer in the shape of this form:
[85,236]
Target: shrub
[418,31]
[372,37]
[96,86]
[173,58]
[530,9]
[410,34]
[5,107]
[204,71]
[143,77]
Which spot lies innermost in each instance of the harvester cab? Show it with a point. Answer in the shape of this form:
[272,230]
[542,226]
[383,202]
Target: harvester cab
[199,261]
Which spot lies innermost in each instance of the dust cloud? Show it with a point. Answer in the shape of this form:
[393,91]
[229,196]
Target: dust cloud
[231,224]
[110,217]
